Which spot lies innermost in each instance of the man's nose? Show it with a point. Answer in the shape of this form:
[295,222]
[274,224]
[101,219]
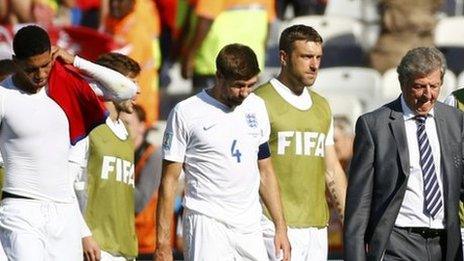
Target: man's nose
[245,91]
[315,63]
[428,91]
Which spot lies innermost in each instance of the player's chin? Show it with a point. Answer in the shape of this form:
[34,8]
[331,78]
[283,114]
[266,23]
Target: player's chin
[425,108]
[237,102]
[308,81]
[40,84]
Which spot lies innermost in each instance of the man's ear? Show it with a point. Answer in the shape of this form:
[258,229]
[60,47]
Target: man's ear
[15,62]
[283,57]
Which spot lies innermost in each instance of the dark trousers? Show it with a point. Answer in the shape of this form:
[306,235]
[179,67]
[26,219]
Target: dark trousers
[409,246]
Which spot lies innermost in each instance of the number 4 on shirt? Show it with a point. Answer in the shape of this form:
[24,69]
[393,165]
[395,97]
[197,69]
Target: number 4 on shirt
[235,152]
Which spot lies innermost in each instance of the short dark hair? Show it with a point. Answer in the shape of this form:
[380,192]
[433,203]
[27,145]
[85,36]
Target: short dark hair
[296,33]
[29,41]
[237,62]
[119,62]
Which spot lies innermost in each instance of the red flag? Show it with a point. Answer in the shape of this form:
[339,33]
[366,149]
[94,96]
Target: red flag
[85,42]
[77,99]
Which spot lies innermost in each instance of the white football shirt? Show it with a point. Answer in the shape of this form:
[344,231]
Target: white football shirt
[34,140]
[219,148]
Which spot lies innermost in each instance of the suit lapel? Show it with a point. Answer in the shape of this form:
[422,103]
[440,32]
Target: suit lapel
[399,133]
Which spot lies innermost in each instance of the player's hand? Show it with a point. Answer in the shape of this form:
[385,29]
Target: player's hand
[91,249]
[64,55]
[282,244]
[163,253]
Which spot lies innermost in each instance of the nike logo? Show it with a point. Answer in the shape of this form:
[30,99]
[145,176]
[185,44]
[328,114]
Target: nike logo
[209,127]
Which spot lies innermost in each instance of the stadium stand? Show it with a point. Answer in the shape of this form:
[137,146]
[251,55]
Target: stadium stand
[361,82]
[449,39]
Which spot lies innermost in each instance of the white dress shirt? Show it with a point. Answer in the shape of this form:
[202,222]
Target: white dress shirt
[412,211]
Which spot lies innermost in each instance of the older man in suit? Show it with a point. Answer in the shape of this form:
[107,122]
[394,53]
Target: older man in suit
[405,179]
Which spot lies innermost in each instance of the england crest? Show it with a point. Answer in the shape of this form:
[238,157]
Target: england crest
[251,120]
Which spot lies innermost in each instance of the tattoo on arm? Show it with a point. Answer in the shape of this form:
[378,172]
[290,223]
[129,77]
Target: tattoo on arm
[337,200]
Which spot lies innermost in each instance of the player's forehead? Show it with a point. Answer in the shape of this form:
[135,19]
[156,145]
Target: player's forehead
[36,61]
[306,47]
[244,82]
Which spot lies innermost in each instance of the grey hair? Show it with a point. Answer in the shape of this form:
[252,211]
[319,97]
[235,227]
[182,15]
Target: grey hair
[343,123]
[419,62]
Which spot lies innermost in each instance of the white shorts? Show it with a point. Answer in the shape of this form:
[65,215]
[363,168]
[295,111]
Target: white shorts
[38,230]
[105,256]
[208,239]
[308,244]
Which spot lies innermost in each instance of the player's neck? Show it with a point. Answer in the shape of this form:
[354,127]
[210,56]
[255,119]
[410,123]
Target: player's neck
[114,113]
[114,117]
[215,93]
[295,86]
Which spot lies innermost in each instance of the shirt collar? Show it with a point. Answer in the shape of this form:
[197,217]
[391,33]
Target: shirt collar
[408,114]
[286,91]
[118,128]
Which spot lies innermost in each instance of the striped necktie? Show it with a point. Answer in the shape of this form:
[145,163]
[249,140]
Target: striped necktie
[432,193]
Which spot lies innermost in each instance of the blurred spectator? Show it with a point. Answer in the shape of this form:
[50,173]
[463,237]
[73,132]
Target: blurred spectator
[404,25]
[300,7]
[134,25]
[43,12]
[3,11]
[173,14]
[221,22]
[343,138]
[90,13]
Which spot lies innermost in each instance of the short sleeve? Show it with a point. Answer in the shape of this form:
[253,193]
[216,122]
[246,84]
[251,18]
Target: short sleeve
[266,125]
[175,137]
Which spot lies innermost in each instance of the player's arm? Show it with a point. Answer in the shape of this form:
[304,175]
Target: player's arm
[335,179]
[270,195]
[90,247]
[78,159]
[188,53]
[112,85]
[169,180]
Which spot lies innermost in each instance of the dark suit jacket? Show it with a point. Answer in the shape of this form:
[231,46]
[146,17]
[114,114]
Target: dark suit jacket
[379,173]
